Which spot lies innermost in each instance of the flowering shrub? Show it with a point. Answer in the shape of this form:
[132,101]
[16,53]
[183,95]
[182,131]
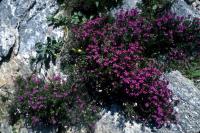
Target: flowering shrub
[116,69]
[57,102]
[174,33]
[162,36]
[153,98]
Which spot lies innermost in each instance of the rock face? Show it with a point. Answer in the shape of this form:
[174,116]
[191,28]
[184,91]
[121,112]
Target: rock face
[8,39]
[188,110]
[181,8]
[126,5]
[189,106]
[113,122]
[28,18]
[22,24]
[129,4]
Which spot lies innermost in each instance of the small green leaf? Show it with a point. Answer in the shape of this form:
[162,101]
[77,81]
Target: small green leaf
[97,3]
[154,7]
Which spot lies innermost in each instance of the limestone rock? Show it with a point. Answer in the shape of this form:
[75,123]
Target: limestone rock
[181,8]
[8,39]
[29,18]
[126,5]
[113,122]
[189,103]
[22,24]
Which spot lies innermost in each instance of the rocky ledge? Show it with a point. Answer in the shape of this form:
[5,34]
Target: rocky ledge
[194,3]
[183,8]
[23,23]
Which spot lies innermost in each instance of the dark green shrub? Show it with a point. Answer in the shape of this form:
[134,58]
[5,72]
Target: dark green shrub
[154,8]
[91,7]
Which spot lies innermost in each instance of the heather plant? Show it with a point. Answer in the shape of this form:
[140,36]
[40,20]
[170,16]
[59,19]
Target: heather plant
[56,102]
[176,36]
[172,36]
[118,61]
[115,67]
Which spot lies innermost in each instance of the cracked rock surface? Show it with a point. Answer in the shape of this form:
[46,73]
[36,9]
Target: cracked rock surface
[29,19]
[8,39]
[182,8]
[22,24]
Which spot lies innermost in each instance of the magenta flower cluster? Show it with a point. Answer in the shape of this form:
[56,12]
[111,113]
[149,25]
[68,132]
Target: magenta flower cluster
[115,55]
[151,94]
[55,102]
[37,97]
[173,33]
[157,37]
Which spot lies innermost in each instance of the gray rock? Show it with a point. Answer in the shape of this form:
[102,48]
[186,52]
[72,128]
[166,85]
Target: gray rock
[29,19]
[181,8]
[5,127]
[129,4]
[189,103]
[115,123]
[8,39]
[126,5]
[22,24]
[190,1]
[188,111]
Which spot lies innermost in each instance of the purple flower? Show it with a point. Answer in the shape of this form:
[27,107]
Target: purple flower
[35,120]
[36,80]
[57,77]
[20,98]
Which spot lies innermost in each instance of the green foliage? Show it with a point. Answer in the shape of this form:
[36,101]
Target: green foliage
[4,98]
[189,67]
[192,69]
[194,73]
[46,52]
[58,21]
[79,18]
[154,8]
[76,18]
[91,7]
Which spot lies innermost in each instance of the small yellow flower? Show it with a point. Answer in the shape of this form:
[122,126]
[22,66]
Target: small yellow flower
[79,50]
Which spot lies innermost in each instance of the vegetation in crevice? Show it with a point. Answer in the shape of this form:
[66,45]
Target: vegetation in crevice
[110,61]
[46,53]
